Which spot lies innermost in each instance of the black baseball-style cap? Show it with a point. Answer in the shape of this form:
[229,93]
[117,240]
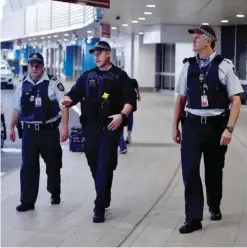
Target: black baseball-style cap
[204,29]
[35,58]
[100,46]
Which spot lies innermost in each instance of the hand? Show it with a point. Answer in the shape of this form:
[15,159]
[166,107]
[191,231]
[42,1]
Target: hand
[226,138]
[138,97]
[116,122]
[12,134]
[65,102]
[64,134]
[176,135]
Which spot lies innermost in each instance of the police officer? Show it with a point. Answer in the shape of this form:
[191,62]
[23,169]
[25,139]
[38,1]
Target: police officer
[107,97]
[211,88]
[36,104]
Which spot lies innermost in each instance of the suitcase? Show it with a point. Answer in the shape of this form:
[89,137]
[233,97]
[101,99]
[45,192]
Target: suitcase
[76,139]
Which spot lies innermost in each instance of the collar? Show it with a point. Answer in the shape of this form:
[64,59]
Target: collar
[43,78]
[204,63]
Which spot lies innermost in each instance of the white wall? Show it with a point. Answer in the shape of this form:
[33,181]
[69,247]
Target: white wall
[143,50]
[139,58]
[136,52]
[183,50]
[180,34]
[147,56]
[161,33]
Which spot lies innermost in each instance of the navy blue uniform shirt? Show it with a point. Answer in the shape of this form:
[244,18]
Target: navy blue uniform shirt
[122,92]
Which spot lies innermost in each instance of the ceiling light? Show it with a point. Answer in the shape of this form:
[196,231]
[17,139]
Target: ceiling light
[151,6]
[49,37]
[65,39]
[224,21]
[142,18]
[134,21]
[42,38]
[55,36]
[113,28]
[141,33]
[34,38]
[205,23]
[125,25]
[240,16]
[147,13]
[48,41]
[29,39]
[89,31]
[66,34]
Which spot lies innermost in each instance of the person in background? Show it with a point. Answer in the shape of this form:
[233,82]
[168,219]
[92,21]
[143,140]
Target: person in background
[122,142]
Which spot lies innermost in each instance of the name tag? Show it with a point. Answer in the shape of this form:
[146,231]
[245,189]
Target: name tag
[204,100]
[38,102]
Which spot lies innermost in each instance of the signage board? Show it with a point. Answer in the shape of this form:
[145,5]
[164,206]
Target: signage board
[94,3]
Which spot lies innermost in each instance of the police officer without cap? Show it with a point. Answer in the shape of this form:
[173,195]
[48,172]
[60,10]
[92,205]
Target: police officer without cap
[36,104]
[209,84]
[107,97]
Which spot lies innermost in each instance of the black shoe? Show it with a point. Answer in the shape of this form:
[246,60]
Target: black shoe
[189,227]
[99,215]
[23,207]
[55,200]
[215,214]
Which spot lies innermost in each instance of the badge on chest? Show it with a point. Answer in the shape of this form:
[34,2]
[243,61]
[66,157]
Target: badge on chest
[204,101]
[38,101]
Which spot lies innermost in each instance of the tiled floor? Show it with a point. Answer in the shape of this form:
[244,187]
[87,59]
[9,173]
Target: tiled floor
[147,197]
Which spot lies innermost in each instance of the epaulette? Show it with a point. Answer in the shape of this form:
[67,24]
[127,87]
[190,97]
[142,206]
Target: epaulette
[51,77]
[191,60]
[23,79]
[219,58]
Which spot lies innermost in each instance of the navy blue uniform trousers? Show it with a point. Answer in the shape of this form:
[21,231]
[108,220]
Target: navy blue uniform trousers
[101,150]
[47,144]
[198,139]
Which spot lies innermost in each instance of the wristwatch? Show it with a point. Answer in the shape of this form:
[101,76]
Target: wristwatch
[123,115]
[230,129]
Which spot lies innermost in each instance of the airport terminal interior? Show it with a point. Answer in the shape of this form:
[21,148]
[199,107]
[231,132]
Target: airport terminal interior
[149,40]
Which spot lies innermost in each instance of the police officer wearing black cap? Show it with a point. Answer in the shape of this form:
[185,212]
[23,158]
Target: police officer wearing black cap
[36,104]
[211,88]
[107,97]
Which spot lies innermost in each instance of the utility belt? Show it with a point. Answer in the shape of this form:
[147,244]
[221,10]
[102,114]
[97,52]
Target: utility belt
[38,127]
[208,119]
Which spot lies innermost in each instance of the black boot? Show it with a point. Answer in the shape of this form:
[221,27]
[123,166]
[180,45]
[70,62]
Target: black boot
[23,207]
[189,227]
[99,215]
[215,213]
[55,199]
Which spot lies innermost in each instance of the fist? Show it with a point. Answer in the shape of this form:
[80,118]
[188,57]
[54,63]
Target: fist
[65,102]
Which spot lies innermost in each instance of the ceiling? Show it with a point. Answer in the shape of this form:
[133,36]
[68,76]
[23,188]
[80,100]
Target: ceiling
[182,12]
[185,12]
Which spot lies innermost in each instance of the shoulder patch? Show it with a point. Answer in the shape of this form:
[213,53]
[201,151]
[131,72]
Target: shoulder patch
[60,87]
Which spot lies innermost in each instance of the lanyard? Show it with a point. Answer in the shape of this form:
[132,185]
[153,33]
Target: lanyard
[202,77]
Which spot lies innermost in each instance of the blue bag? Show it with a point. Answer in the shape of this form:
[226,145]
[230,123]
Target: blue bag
[76,139]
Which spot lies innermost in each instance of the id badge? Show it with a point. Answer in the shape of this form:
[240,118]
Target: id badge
[38,102]
[204,100]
